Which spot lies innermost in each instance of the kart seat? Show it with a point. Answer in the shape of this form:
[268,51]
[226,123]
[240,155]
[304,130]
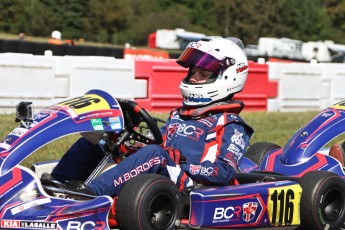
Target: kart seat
[338,152]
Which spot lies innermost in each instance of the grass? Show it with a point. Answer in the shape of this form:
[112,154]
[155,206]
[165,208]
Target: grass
[276,127]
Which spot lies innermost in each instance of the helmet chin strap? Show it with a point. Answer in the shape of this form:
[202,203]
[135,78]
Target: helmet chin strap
[229,106]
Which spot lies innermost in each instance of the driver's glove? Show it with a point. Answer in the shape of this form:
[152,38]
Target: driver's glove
[176,156]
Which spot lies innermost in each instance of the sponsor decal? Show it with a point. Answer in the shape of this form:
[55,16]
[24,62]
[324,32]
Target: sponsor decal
[194,169]
[96,115]
[10,224]
[136,171]
[197,98]
[233,148]
[249,211]
[184,130]
[115,123]
[28,205]
[194,44]
[114,119]
[325,114]
[237,138]
[77,225]
[18,132]
[97,124]
[225,214]
[209,171]
[241,67]
[27,224]
[172,129]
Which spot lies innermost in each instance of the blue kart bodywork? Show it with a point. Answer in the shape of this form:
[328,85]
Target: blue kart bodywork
[305,151]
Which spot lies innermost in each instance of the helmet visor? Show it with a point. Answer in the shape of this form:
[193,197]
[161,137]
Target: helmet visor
[191,56]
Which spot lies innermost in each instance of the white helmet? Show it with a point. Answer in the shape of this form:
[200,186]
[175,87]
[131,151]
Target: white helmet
[226,58]
[56,34]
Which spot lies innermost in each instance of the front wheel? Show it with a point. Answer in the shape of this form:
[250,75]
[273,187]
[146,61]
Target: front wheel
[322,201]
[148,201]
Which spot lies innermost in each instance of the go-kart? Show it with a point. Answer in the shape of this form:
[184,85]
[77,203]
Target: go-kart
[147,201]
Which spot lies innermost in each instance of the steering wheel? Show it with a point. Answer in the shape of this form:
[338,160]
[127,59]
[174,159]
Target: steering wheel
[134,115]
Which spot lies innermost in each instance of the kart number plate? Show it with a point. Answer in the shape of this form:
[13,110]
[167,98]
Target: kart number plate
[86,103]
[283,205]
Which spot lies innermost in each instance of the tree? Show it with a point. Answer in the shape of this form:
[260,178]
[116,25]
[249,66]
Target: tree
[122,21]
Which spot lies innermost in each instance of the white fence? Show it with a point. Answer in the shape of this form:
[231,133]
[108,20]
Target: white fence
[49,79]
[304,86]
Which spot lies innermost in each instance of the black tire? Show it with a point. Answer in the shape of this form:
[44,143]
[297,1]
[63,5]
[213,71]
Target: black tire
[148,201]
[258,151]
[322,201]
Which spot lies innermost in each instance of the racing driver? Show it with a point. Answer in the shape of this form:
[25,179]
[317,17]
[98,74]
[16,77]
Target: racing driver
[206,132]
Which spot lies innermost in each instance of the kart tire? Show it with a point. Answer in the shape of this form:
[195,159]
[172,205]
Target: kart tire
[148,201]
[258,151]
[322,201]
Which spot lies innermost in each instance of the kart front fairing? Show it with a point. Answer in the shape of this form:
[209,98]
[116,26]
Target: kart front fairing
[95,111]
[305,151]
[23,202]
[25,205]
[311,138]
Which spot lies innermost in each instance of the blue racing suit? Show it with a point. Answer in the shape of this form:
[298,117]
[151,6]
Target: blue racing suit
[213,147]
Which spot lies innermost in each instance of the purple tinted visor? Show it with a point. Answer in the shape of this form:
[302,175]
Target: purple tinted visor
[198,58]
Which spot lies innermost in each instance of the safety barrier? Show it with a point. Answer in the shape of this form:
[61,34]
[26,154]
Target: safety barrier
[154,83]
[24,77]
[45,80]
[164,77]
[258,88]
[304,86]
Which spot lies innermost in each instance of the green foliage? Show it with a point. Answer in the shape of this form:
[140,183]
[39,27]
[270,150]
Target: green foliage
[121,21]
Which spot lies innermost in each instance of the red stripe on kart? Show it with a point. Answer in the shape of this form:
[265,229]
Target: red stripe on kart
[321,162]
[271,160]
[17,177]
[4,154]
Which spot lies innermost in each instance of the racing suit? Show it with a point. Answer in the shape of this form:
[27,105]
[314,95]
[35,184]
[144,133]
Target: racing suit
[213,147]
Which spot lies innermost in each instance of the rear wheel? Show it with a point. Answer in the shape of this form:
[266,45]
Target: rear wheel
[258,151]
[322,201]
[148,201]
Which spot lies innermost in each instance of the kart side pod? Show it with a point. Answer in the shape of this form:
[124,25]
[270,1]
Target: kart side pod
[255,204]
